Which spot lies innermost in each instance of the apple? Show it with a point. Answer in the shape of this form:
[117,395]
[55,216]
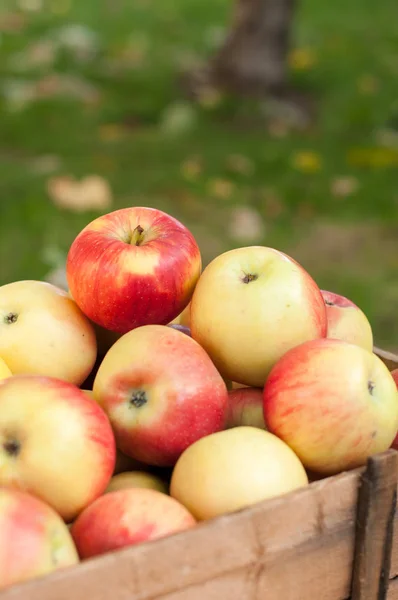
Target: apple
[126,517]
[334,403]
[233,469]
[4,370]
[161,392]
[250,306]
[346,321]
[136,479]
[43,332]
[55,442]
[246,407]
[134,266]
[34,539]
[394,374]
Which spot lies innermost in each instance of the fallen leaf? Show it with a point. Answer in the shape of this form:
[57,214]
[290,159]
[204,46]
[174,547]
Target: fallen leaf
[368,85]
[39,54]
[341,187]
[246,225]
[178,118]
[111,132]
[46,164]
[68,85]
[302,59]
[191,168]
[376,158]
[278,128]
[238,163]
[30,5]
[12,22]
[273,204]
[307,161]
[91,193]
[221,188]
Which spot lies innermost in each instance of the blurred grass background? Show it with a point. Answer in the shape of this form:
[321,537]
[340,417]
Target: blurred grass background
[90,89]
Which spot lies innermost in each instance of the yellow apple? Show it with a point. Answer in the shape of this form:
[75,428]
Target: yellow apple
[43,332]
[55,443]
[4,370]
[136,479]
[232,469]
[250,306]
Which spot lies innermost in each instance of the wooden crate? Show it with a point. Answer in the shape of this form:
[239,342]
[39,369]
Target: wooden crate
[332,540]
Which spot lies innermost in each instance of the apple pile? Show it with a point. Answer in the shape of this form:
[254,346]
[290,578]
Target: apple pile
[152,394]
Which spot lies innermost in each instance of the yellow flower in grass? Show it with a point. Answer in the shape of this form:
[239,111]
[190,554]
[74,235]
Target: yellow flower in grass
[307,161]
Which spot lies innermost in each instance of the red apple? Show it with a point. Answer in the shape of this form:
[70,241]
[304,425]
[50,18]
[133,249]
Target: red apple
[246,407]
[346,321]
[161,392]
[34,539]
[55,442]
[334,403]
[134,266]
[250,306]
[126,517]
[395,377]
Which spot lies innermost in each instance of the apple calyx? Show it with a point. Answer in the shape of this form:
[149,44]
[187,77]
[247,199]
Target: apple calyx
[329,303]
[138,398]
[12,447]
[10,318]
[137,236]
[371,387]
[249,277]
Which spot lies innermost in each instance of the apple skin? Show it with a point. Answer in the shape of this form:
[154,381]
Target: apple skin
[127,517]
[43,332]
[134,266]
[34,539]
[346,321]
[246,407]
[250,306]
[334,403]
[4,370]
[55,442]
[136,479]
[161,392]
[394,374]
[233,469]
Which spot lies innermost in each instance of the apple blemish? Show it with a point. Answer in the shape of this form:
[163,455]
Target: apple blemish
[12,447]
[249,277]
[371,387]
[10,318]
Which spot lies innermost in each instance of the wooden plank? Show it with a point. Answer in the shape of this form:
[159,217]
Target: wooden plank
[308,534]
[389,359]
[393,590]
[376,510]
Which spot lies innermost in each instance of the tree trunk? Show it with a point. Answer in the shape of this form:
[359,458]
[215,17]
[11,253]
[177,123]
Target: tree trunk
[253,57]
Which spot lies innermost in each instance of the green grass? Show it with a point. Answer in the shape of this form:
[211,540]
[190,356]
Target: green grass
[352,73]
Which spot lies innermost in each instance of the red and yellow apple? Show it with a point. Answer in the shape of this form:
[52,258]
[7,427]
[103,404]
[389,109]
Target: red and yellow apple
[161,392]
[136,479]
[4,370]
[346,321]
[232,469]
[334,403]
[394,374]
[34,539]
[134,266]
[250,306]
[246,407]
[43,332]
[55,442]
[127,517]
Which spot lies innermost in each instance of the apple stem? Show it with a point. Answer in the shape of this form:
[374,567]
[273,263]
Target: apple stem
[371,387]
[137,238]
